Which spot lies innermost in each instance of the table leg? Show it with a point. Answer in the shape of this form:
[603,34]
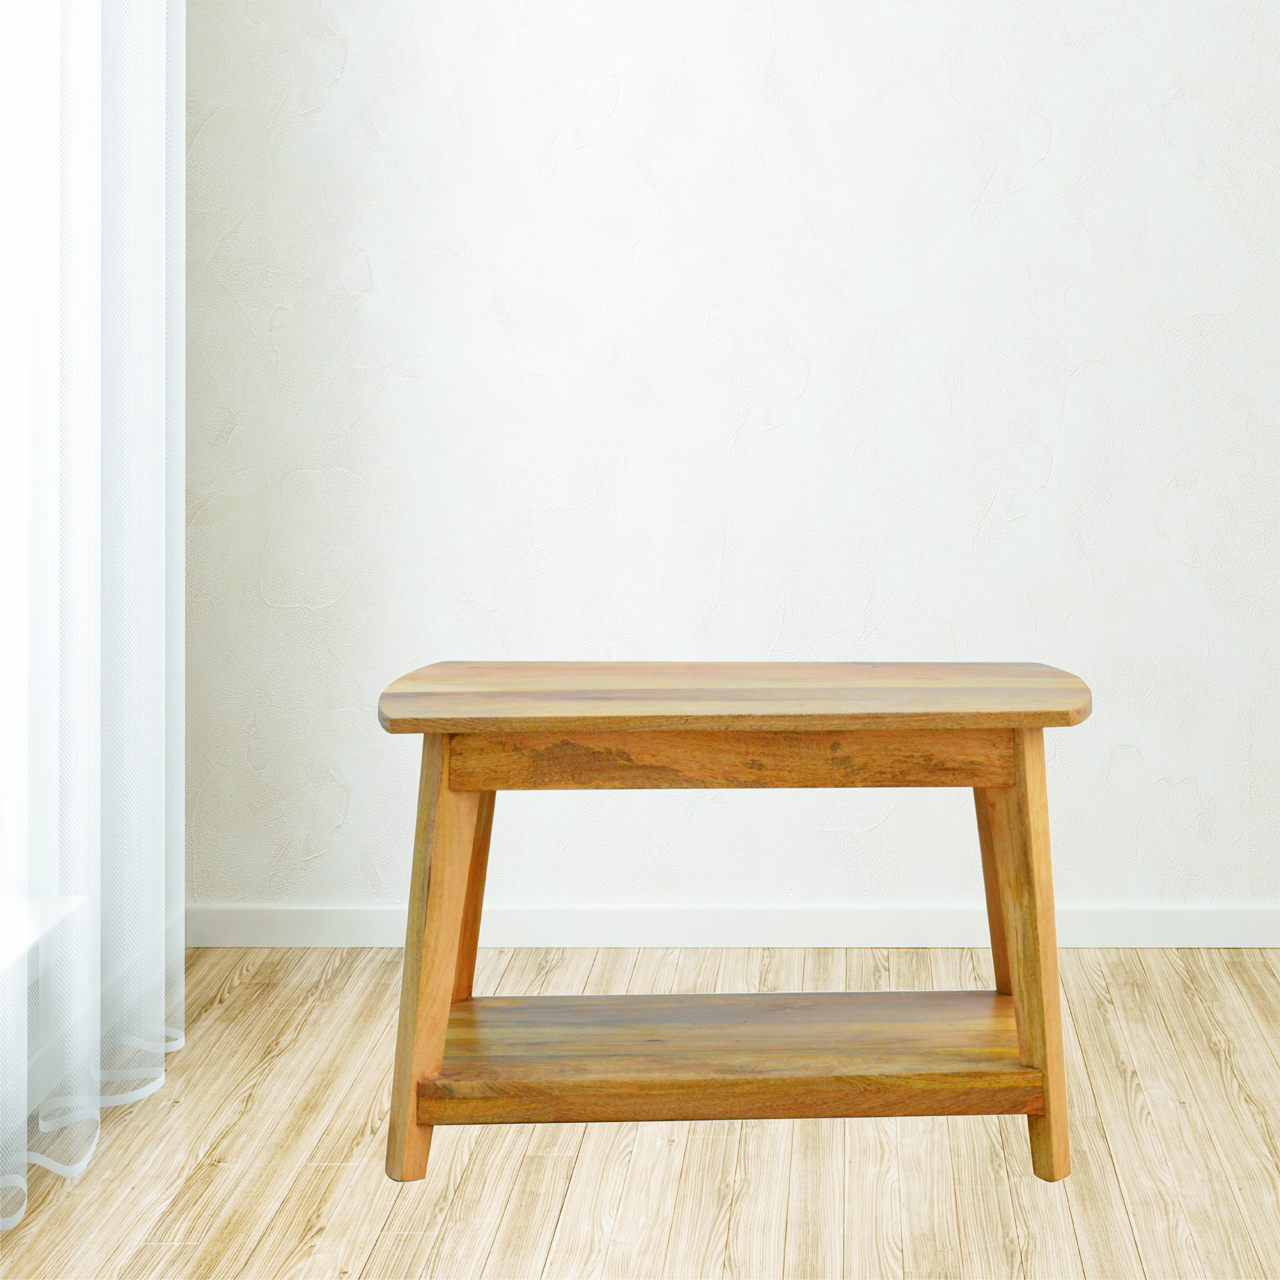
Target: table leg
[450,843]
[985,799]
[465,973]
[1019,833]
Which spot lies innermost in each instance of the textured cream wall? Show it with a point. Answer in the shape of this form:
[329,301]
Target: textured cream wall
[698,329]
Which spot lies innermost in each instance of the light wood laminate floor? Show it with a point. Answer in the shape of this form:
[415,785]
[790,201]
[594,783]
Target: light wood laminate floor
[262,1155]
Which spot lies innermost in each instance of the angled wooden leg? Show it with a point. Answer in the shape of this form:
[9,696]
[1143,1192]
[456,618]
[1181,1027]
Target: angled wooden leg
[443,855]
[1020,842]
[465,974]
[984,801]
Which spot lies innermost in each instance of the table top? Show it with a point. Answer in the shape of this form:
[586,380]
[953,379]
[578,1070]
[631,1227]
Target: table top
[475,697]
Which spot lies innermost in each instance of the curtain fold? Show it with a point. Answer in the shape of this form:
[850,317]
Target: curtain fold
[91,865]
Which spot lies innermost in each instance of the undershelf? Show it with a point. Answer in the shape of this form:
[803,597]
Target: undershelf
[722,1057]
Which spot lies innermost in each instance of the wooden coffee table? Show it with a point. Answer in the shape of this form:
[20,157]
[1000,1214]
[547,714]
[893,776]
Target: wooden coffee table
[493,726]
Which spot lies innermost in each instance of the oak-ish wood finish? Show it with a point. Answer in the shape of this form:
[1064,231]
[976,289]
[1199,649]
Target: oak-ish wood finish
[1020,839]
[540,726]
[443,855]
[730,1057]
[474,697]
[464,974]
[711,760]
[984,803]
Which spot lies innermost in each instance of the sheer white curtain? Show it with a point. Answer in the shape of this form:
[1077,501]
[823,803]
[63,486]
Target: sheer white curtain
[91,548]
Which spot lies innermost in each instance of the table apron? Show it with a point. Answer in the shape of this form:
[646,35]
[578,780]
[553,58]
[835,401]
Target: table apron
[639,759]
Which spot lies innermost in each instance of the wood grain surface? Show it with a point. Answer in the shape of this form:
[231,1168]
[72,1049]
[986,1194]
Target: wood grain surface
[261,1157]
[683,1057]
[984,804]
[1019,834]
[472,697]
[721,758]
[450,853]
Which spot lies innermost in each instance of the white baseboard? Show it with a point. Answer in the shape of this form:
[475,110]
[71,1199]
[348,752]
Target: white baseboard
[261,924]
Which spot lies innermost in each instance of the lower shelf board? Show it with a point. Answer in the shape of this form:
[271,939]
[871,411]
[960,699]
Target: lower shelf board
[730,1057]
